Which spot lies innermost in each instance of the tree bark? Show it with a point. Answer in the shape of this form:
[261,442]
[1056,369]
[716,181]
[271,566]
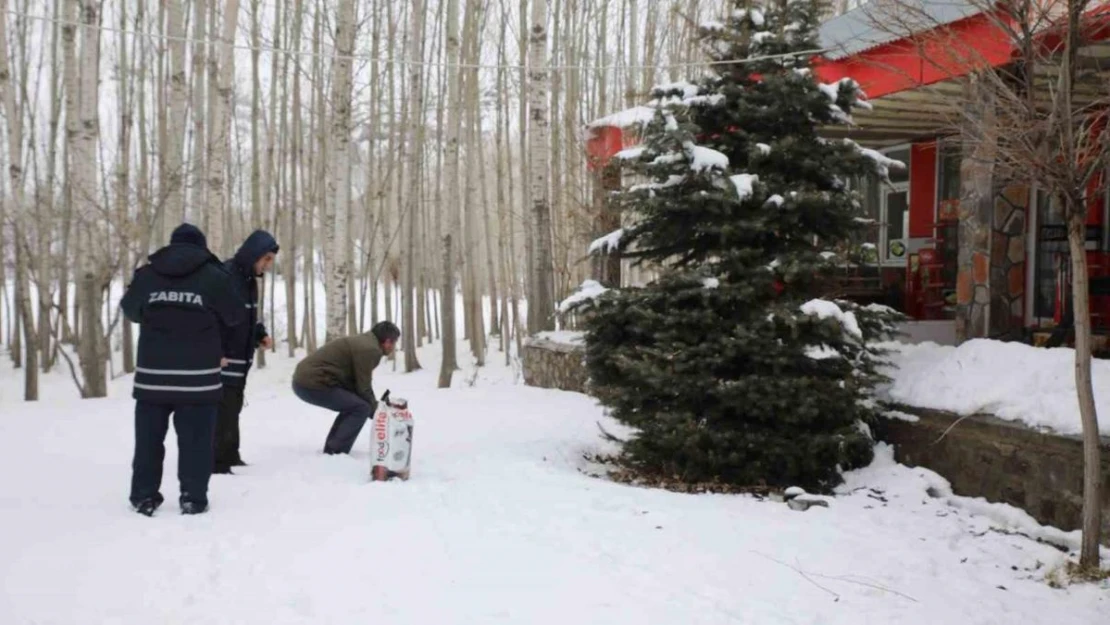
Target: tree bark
[290,264]
[415,195]
[450,216]
[335,220]
[1092,478]
[543,299]
[175,139]
[123,168]
[92,352]
[221,74]
[197,164]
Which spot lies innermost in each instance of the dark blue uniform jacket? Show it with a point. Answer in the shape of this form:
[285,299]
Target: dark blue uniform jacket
[185,305]
[244,339]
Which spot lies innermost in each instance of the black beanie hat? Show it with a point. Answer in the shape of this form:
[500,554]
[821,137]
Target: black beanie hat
[188,234]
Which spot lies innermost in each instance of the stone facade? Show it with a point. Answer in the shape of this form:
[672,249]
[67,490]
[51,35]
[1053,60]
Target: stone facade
[1007,261]
[990,284]
[554,363]
[1002,461]
[976,213]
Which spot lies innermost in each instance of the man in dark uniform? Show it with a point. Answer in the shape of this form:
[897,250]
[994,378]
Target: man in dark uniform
[254,258]
[183,301]
[339,377]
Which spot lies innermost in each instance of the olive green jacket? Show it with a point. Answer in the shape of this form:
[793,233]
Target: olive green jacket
[346,363]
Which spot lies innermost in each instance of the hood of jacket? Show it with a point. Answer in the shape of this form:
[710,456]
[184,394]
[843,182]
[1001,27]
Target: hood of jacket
[257,244]
[180,259]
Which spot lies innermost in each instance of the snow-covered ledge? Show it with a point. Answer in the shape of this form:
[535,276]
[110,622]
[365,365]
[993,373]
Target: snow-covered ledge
[554,360]
[1001,461]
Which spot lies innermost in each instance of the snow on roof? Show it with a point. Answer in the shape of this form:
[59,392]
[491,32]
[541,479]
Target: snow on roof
[873,24]
[635,116]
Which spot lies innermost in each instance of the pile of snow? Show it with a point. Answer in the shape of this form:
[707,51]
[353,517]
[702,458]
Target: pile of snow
[883,163]
[824,309]
[1012,381]
[608,243]
[702,158]
[756,16]
[562,337]
[589,291]
[673,180]
[631,154]
[635,116]
[745,185]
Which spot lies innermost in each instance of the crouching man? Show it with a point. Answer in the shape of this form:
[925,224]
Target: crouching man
[182,300]
[339,377]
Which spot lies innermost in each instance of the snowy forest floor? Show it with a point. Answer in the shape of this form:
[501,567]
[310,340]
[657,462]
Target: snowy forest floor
[499,524]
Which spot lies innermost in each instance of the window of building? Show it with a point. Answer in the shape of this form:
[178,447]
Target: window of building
[888,206]
[948,173]
[894,210]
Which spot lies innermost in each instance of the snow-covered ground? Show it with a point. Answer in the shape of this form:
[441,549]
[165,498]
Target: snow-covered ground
[1012,381]
[498,524]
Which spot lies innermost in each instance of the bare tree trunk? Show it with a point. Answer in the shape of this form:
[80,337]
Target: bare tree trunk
[450,217]
[290,265]
[146,211]
[1092,479]
[123,168]
[256,153]
[197,164]
[339,183]
[92,343]
[175,140]
[543,299]
[415,197]
[472,300]
[525,163]
[46,217]
[221,75]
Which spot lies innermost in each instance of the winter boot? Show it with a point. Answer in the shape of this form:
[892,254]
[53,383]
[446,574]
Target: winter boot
[192,507]
[224,469]
[146,507]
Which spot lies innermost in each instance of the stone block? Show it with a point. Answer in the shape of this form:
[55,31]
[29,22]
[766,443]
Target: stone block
[980,266]
[1016,251]
[554,364]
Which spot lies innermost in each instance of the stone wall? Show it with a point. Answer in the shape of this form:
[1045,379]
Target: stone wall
[554,361]
[1001,461]
[1007,279]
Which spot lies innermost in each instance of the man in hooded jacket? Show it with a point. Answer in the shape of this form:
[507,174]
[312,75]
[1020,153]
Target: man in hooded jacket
[254,258]
[184,303]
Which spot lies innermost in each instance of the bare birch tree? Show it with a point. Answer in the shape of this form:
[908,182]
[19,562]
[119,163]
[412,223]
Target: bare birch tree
[543,294]
[451,209]
[415,191]
[15,175]
[339,183]
[221,76]
[175,132]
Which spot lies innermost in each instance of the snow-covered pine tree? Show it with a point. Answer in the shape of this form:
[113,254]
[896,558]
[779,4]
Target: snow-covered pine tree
[728,367]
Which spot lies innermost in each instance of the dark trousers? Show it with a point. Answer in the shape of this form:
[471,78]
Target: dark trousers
[227,428]
[194,425]
[353,411]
